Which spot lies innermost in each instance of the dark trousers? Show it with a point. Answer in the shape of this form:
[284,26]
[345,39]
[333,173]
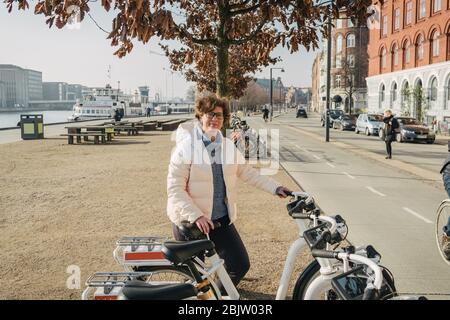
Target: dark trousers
[389,148]
[229,247]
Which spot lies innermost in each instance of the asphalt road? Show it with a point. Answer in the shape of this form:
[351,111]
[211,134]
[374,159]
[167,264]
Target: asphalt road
[389,208]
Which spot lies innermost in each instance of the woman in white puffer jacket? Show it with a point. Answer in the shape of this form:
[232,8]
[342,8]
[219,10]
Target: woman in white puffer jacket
[201,183]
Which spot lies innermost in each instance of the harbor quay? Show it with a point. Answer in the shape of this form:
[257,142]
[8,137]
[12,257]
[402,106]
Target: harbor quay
[63,207]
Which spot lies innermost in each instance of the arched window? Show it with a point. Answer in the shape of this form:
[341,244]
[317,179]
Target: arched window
[382,93]
[395,55]
[351,41]
[435,43]
[447,89]
[394,92]
[383,58]
[419,45]
[433,89]
[338,44]
[406,55]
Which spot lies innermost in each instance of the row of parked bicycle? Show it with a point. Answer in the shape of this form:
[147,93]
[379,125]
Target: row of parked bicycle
[158,268]
[410,128]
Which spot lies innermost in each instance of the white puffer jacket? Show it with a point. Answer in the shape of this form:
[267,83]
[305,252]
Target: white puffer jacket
[190,179]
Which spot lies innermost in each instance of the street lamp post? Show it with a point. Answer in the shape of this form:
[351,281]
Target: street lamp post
[271,92]
[327,119]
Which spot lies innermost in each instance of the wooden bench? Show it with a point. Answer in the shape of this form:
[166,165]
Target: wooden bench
[160,122]
[170,126]
[149,126]
[97,135]
[130,130]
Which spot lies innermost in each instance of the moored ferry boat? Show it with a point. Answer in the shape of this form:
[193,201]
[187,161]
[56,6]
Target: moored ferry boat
[100,103]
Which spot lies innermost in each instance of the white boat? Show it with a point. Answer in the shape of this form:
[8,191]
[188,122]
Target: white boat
[101,103]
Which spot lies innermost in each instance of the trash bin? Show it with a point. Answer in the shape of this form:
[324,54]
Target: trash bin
[32,126]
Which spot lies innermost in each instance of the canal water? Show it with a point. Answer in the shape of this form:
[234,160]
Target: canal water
[10,119]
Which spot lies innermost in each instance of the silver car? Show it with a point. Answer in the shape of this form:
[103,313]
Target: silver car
[369,123]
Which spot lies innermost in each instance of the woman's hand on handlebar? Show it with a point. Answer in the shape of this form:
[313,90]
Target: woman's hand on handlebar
[204,224]
[283,192]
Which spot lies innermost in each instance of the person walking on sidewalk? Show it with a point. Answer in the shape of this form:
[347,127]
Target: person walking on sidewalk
[265,114]
[390,126]
[201,183]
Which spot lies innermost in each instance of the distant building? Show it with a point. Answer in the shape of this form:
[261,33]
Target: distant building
[55,91]
[409,59]
[278,89]
[348,69]
[298,96]
[34,85]
[19,86]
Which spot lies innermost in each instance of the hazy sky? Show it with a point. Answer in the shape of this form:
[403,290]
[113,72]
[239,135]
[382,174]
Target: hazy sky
[82,56]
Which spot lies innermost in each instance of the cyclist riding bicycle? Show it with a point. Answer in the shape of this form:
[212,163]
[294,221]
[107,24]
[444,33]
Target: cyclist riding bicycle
[201,183]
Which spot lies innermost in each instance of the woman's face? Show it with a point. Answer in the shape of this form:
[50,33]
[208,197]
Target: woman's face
[387,114]
[212,121]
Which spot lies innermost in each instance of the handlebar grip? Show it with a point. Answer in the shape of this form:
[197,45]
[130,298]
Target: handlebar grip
[324,254]
[300,215]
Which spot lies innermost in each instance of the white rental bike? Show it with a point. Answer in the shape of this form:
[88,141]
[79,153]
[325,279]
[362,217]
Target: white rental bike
[159,262]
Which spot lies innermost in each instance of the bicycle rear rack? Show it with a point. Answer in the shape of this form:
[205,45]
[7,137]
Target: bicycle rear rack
[108,285]
[133,252]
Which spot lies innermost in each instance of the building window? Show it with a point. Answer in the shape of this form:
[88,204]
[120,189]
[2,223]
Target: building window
[385,25]
[397,19]
[436,5]
[433,89]
[338,23]
[435,45]
[394,92]
[406,56]
[338,81]
[350,23]
[420,50]
[351,41]
[383,58]
[409,6]
[395,55]
[351,60]
[338,44]
[422,9]
[338,61]
[382,90]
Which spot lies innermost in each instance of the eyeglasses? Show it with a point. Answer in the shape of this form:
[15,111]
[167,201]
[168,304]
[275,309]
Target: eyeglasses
[211,115]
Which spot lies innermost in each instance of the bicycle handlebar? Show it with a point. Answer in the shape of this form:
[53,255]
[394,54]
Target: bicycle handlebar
[355,258]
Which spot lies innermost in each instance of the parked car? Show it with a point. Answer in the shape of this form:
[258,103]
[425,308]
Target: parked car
[301,112]
[411,129]
[369,123]
[345,122]
[334,114]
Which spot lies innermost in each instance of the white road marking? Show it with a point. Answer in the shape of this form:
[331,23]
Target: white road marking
[349,175]
[376,192]
[417,215]
[331,165]
[316,156]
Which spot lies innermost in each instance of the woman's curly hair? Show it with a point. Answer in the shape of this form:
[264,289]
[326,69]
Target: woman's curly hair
[208,103]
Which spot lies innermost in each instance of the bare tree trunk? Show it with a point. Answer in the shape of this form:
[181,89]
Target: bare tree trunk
[222,89]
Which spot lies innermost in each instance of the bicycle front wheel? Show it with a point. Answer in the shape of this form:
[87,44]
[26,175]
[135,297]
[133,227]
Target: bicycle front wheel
[305,280]
[442,229]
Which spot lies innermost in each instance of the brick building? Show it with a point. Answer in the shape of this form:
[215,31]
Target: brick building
[409,58]
[349,66]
